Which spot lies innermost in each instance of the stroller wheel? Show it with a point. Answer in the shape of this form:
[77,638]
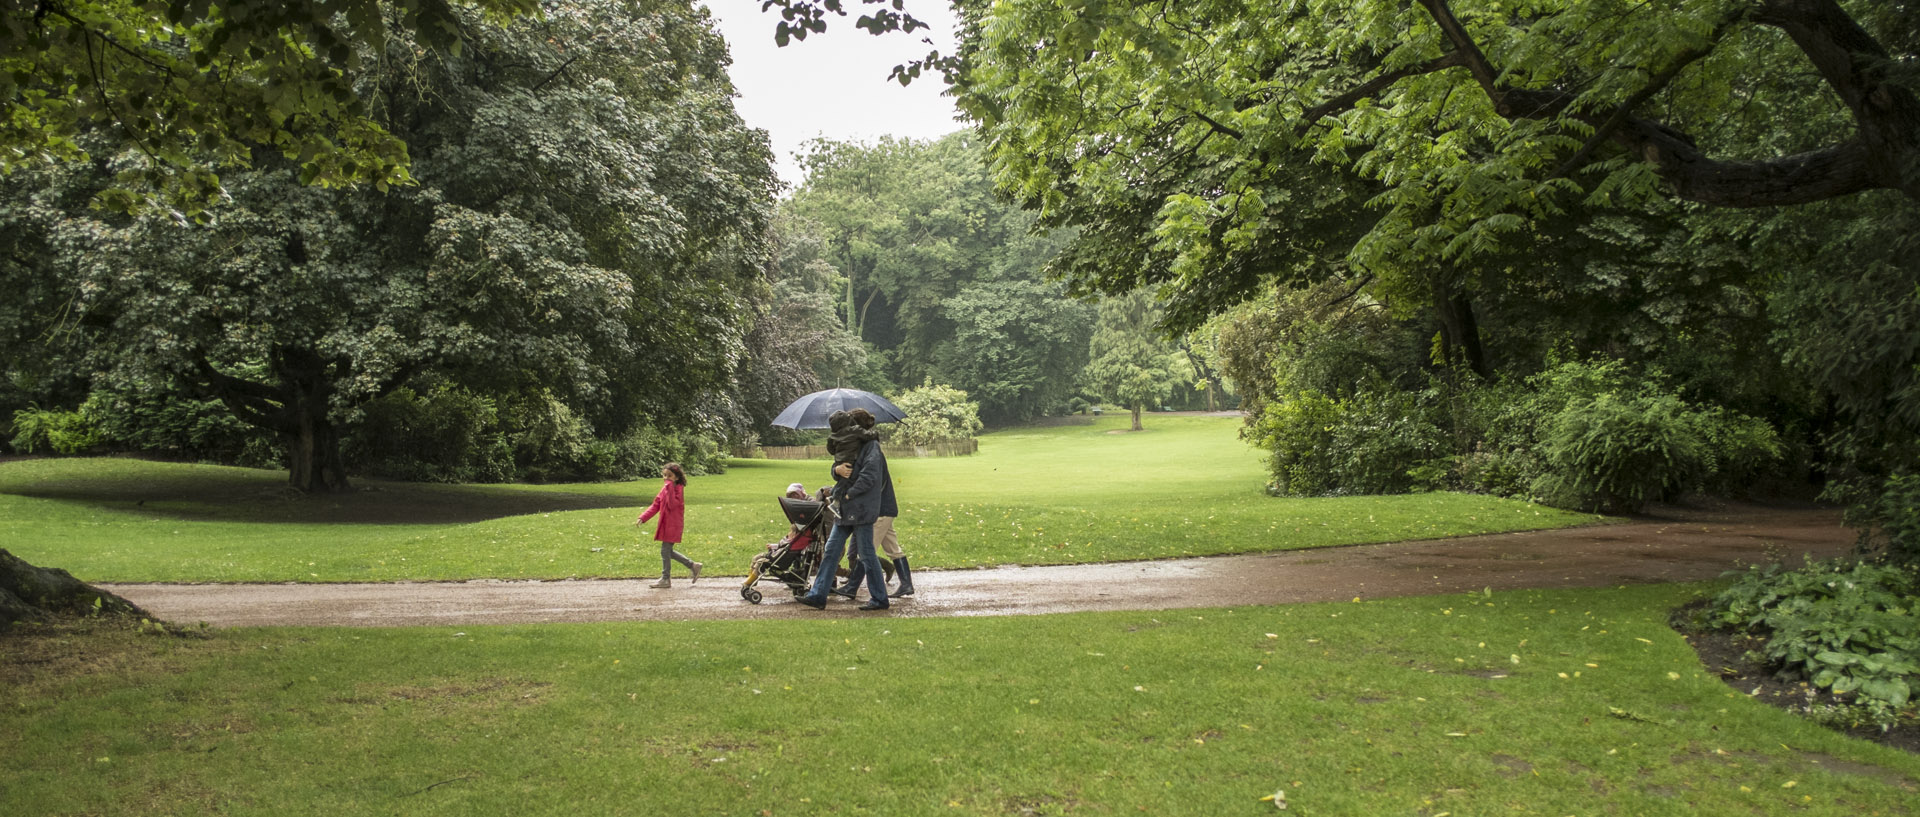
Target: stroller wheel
[751,595]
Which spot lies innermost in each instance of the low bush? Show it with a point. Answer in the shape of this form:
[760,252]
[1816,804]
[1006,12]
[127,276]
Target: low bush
[934,412]
[62,432]
[1848,626]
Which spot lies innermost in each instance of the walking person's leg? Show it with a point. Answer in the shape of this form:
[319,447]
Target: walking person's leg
[666,567]
[816,597]
[671,551]
[890,544]
[876,581]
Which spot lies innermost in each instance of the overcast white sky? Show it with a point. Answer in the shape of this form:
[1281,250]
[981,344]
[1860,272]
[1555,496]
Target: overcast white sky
[834,84]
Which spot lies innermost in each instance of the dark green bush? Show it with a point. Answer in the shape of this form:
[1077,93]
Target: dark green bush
[1892,519]
[62,432]
[203,430]
[1848,626]
[444,434]
[1614,454]
[1376,442]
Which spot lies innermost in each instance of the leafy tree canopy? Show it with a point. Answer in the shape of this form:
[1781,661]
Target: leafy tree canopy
[198,87]
[585,226]
[1223,141]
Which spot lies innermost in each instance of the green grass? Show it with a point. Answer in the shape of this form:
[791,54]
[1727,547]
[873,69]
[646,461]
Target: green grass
[1542,702]
[1185,487]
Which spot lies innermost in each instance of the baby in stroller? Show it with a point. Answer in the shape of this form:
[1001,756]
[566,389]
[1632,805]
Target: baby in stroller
[793,560]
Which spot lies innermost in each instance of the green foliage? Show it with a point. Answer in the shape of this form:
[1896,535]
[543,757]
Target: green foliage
[937,275]
[1847,626]
[1613,454]
[934,413]
[1890,521]
[586,223]
[62,432]
[447,434]
[193,90]
[1017,344]
[1378,441]
[154,422]
[1131,363]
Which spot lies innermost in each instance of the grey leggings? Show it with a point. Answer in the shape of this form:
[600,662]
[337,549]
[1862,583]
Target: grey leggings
[668,556]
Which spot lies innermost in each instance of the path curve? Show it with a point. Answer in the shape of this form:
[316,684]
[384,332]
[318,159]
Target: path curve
[1668,545]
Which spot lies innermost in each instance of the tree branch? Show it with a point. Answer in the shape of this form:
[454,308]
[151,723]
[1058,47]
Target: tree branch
[1620,114]
[1374,86]
[1219,128]
[1463,44]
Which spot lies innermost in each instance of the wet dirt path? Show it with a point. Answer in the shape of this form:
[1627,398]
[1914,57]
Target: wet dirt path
[1667,545]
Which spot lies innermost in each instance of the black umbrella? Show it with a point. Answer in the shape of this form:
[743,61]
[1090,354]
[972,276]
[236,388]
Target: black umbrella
[811,411]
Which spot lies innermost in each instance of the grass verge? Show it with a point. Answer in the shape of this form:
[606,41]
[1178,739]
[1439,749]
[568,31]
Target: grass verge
[1549,702]
[1185,487]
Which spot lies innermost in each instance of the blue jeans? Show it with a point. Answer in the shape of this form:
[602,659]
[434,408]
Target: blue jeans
[862,550]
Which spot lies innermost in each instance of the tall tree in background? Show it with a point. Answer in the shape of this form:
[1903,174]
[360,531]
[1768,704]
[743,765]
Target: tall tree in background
[928,255]
[586,220]
[1132,362]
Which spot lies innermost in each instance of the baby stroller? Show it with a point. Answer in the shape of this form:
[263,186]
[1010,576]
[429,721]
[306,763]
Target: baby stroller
[796,557]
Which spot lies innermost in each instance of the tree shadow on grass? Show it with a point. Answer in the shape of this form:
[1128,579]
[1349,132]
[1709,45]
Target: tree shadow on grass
[222,494]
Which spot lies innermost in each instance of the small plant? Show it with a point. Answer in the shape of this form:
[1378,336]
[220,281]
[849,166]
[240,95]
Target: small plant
[1851,627]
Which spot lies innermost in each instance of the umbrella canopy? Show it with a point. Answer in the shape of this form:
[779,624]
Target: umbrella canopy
[811,411]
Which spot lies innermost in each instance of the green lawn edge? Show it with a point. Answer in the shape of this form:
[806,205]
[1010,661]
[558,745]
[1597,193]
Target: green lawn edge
[1578,701]
[1076,494]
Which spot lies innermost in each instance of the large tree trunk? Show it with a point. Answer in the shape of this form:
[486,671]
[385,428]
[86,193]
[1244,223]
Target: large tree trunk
[295,404]
[29,593]
[1459,331]
[314,464]
[1136,417]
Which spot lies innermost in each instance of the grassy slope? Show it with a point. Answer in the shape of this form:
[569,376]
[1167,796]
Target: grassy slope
[1550,702]
[1186,486]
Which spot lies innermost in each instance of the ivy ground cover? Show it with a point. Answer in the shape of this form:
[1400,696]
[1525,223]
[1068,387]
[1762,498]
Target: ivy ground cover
[1185,487]
[1565,702]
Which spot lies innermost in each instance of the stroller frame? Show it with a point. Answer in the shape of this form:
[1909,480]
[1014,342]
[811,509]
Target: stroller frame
[795,569]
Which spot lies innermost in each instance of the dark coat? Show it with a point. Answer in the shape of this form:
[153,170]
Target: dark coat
[870,496]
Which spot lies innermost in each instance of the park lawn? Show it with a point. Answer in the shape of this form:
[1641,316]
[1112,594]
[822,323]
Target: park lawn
[1565,702]
[1187,486]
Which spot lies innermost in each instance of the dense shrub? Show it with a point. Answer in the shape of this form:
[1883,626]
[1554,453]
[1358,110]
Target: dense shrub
[1848,626]
[1597,435]
[448,434]
[933,413]
[203,430]
[62,432]
[1377,441]
[1617,454]
[1891,519]
[445,434]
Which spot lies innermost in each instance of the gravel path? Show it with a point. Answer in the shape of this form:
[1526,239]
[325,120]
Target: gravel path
[1667,545]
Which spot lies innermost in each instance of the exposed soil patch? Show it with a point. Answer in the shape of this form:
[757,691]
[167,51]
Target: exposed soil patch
[1725,654]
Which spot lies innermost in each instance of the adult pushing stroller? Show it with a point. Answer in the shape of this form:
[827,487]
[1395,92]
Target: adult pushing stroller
[796,557]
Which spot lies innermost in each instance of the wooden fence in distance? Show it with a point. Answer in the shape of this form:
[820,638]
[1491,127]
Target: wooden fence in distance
[944,448]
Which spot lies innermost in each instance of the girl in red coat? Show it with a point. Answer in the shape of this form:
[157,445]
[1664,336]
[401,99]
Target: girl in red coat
[671,505]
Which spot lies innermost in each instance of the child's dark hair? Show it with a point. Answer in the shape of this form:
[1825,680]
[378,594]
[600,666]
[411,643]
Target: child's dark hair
[863,417]
[679,474]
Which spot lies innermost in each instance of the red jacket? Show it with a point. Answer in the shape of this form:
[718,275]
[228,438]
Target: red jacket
[671,505]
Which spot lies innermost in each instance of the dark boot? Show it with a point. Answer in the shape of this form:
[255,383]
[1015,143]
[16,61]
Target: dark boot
[856,574]
[906,578]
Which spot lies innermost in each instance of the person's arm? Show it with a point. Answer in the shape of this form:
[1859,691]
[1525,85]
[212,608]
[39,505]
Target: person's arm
[864,474]
[651,509]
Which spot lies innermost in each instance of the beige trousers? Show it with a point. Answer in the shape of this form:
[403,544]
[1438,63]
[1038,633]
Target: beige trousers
[885,538]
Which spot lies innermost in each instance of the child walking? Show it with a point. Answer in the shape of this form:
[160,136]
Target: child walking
[671,505]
